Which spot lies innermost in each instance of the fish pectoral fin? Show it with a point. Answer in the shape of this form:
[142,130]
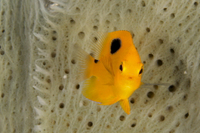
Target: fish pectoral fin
[110,101]
[125,105]
[107,64]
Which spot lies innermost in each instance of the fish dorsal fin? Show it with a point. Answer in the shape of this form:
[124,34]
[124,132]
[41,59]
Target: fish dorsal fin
[84,61]
[98,46]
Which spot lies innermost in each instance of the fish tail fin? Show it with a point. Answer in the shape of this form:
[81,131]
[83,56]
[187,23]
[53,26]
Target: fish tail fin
[125,105]
[85,63]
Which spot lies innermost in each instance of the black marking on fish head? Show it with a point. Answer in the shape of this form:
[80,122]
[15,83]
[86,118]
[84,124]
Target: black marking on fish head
[115,45]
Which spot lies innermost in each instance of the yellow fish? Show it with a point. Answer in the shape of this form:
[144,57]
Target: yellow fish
[115,73]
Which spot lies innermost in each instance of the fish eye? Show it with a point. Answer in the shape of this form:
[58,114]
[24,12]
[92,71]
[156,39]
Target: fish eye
[141,71]
[121,67]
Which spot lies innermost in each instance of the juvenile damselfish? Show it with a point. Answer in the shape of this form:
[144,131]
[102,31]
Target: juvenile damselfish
[114,73]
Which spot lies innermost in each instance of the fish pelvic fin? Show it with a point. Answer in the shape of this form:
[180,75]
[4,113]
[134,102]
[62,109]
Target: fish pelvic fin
[125,105]
[85,63]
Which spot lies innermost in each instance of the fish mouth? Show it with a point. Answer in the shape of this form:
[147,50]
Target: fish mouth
[130,77]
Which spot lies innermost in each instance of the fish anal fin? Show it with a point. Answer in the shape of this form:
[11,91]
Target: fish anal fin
[110,101]
[125,105]
[88,86]
[93,89]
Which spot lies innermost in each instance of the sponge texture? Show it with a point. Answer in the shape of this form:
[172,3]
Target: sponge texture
[38,87]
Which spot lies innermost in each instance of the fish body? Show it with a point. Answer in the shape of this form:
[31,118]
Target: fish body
[115,74]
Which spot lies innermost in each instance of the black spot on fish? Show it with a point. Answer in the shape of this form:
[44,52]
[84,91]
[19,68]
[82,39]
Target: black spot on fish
[115,45]
[95,61]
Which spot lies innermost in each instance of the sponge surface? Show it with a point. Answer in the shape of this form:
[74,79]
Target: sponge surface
[38,87]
